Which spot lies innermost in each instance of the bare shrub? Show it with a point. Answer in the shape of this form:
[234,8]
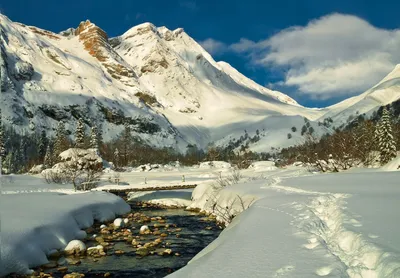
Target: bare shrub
[56,177]
[233,178]
[228,212]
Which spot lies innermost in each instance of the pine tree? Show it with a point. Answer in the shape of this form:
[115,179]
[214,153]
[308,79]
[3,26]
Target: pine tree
[2,144]
[80,134]
[42,145]
[61,144]
[126,142]
[99,135]
[384,134]
[47,158]
[116,157]
[94,143]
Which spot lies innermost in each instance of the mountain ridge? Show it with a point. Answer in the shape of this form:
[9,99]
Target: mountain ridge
[161,81]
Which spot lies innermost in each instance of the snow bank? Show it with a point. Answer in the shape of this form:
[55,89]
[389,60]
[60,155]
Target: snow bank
[261,166]
[179,198]
[215,164]
[393,165]
[37,223]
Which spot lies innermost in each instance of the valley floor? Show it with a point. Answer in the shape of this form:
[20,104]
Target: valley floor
[298,224]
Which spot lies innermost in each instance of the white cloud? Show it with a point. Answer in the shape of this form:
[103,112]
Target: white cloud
[332,56]
[214,47]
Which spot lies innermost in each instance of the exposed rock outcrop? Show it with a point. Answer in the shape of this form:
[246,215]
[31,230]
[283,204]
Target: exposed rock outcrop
[95,41]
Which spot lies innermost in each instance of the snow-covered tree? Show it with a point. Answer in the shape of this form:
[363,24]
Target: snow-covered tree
[80,134]
[384,135]
[61,143]
[94,136]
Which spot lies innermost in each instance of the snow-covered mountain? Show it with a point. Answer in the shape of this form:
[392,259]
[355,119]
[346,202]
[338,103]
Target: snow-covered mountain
[385,92]
[171,91]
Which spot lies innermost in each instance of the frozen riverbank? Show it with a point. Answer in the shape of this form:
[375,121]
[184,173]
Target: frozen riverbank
[33,225]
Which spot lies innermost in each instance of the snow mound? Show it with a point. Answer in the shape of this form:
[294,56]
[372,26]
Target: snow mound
[215,164]
[393,165]
[48,221]
[263,166]
[75,245]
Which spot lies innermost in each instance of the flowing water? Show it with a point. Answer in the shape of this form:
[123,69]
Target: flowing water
[197,232]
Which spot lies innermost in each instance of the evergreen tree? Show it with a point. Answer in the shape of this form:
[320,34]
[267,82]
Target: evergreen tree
[384,134]
[116,157]
[42,145]
[2,139]
[99,135]
[80,134]
[47,158]
[2,144]
[126,142]
[94,136]
[61,144]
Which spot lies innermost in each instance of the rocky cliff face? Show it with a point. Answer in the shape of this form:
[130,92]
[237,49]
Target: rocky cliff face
[95,41]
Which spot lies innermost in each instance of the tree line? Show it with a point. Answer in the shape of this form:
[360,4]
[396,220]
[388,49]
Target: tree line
[365,143]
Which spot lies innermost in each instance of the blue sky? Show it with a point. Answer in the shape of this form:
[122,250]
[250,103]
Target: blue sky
[319,52]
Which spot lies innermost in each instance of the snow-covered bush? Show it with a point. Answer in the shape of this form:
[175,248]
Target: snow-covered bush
[81,167]
[36,169]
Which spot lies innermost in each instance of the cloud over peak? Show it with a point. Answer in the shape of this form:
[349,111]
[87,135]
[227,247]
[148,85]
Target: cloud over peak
[332,56]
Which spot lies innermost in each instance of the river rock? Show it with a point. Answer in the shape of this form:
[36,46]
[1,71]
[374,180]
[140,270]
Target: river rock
[142,251]
[164,235]
[118,222]
[50,265]
[126,221]
[144,230]
[63,269]
[95,251]
[75,262]
[74,275]
[75,247]
[107,274]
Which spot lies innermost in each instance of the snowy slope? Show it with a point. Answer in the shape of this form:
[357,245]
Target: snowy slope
[47,77]
[385,92]
[205,100]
